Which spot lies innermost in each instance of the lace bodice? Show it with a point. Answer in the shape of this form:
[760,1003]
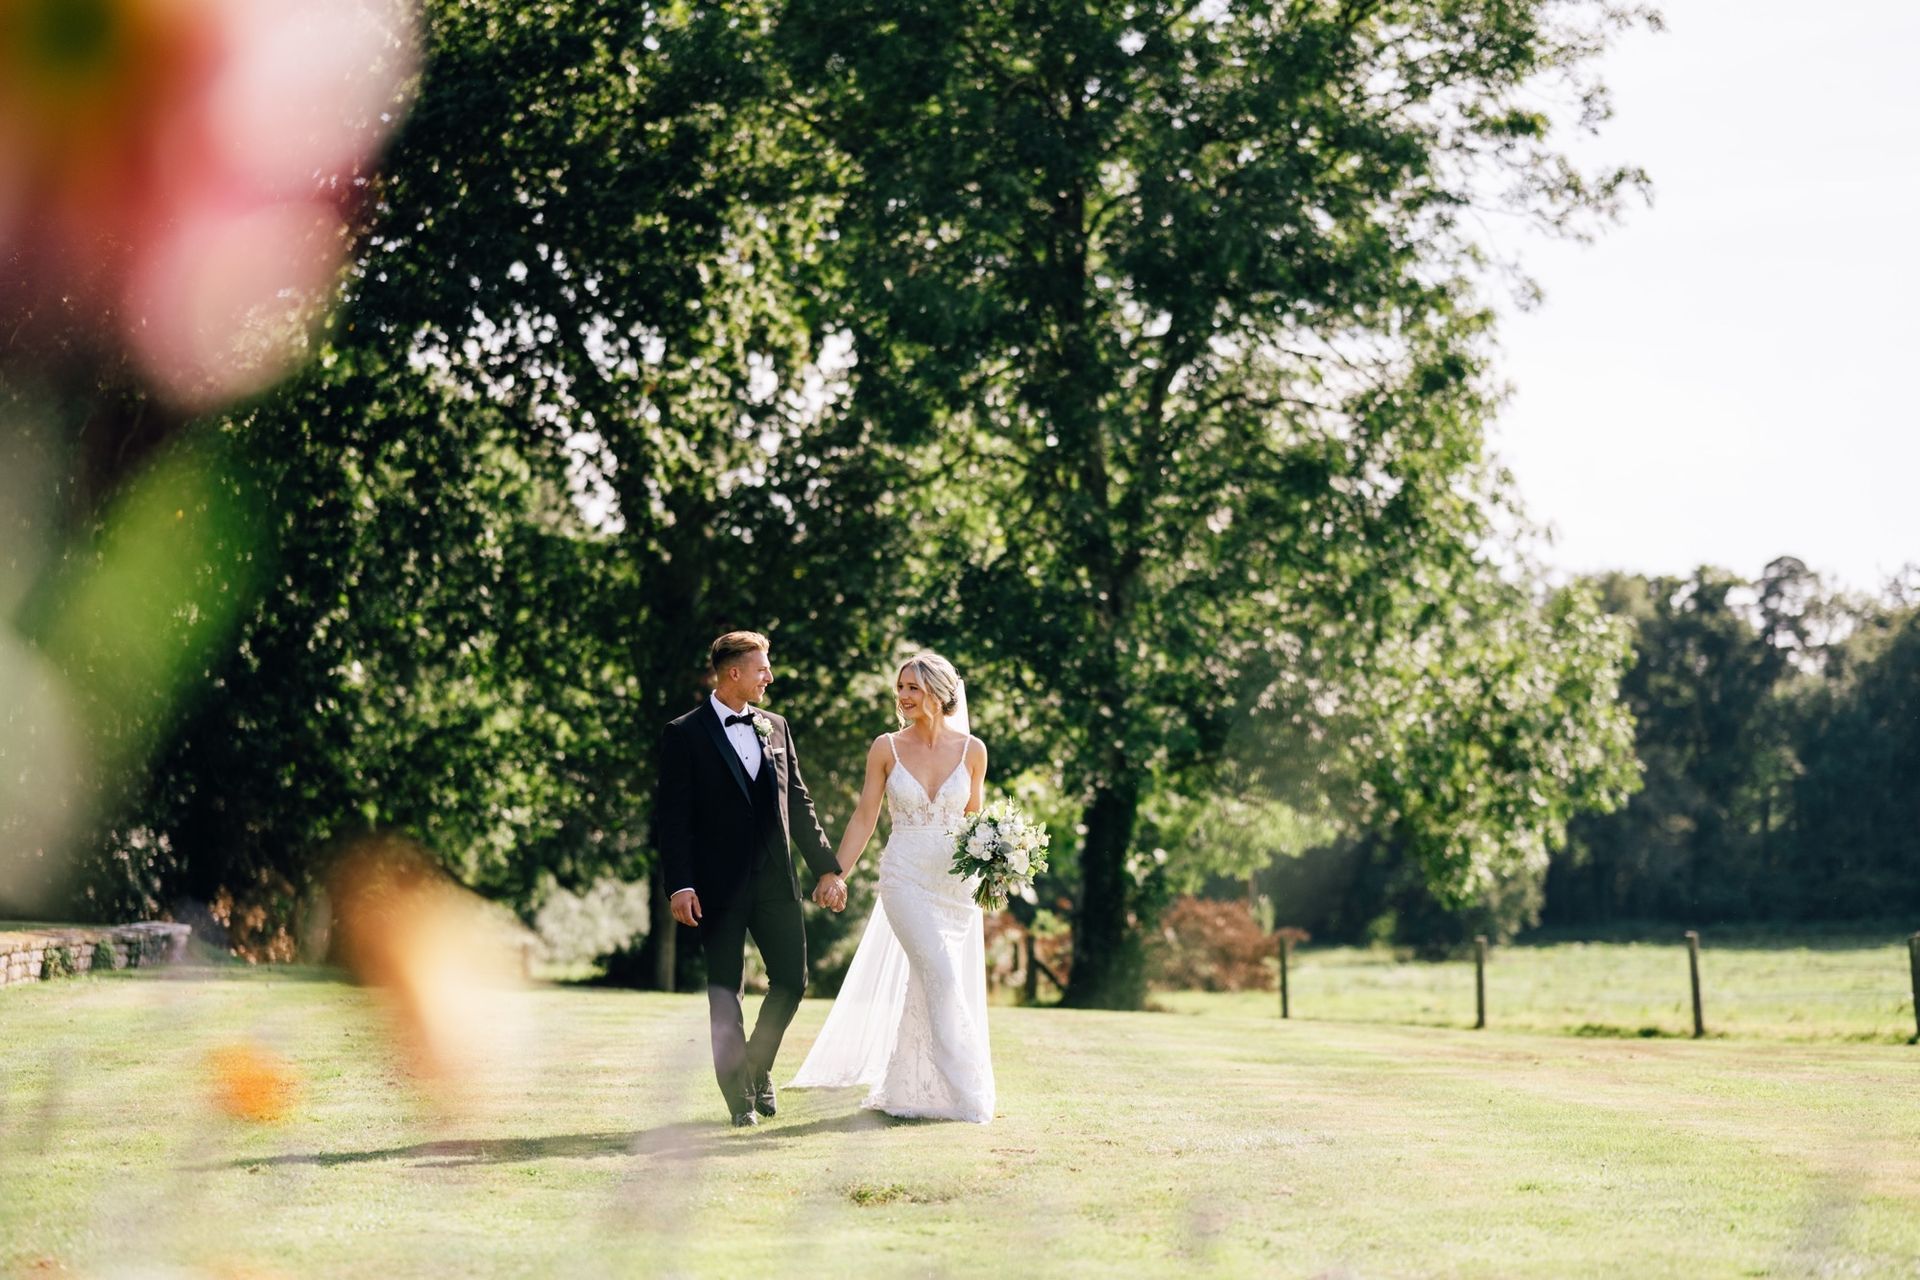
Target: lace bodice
[911,806]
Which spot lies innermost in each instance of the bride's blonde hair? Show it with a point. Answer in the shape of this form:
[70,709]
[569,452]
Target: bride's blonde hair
[937,677]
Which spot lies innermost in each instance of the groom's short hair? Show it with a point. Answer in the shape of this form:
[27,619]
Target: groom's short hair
[732,645]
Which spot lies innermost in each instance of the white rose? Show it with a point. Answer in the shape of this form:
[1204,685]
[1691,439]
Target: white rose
[980,844]
[1017,859]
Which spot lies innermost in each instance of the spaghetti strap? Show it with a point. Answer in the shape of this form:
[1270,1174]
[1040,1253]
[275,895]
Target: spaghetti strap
[896,749]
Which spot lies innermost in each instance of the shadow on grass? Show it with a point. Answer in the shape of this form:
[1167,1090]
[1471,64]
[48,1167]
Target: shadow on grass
[684,1139]
[454,1152]
[1608,1031]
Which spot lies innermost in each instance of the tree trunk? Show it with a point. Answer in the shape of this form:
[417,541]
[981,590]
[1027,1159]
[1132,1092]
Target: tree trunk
[669,687]
[661,927]
[1108,971]
[667,659]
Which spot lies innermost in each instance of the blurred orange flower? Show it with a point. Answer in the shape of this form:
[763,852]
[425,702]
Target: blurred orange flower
[249,1083]
[174,174]
[440,959]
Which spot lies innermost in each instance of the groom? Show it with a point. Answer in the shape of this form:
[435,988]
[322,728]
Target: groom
[731,801]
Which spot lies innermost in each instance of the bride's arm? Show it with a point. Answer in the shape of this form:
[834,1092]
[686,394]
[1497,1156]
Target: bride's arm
[977,775]
[866,814]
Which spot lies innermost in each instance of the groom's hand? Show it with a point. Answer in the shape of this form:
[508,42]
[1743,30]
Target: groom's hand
[685,906]
[831,892]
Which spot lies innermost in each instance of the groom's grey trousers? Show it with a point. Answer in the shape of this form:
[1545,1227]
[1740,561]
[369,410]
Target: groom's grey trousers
[766,909]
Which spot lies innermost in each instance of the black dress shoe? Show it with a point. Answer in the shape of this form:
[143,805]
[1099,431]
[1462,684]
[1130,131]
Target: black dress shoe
[745,1120]
[763,1097]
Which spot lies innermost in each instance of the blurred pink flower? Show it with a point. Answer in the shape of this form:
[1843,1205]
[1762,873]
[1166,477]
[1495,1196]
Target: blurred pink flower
[176,173]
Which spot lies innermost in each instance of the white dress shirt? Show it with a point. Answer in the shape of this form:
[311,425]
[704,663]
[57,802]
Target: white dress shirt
[746,745]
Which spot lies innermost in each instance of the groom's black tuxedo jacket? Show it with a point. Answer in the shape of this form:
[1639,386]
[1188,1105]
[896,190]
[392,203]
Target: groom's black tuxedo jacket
[713,825]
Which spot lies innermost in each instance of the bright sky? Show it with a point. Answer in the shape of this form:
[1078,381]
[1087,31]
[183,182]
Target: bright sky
[1730,376]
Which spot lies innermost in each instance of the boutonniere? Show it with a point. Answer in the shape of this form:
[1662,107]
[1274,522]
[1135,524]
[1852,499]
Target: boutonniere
[763,727]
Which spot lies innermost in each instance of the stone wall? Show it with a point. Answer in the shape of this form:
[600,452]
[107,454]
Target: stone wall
[57,953]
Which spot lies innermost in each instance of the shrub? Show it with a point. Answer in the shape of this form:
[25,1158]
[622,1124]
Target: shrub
[57,962]
[254,920]
[104,961]
[1210,946]
[578,928]
[1006,940]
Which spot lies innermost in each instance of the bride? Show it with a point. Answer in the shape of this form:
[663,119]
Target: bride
[911,1018]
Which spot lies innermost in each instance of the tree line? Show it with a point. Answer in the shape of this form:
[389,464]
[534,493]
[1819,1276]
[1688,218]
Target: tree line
[1778,725]
[1777,730]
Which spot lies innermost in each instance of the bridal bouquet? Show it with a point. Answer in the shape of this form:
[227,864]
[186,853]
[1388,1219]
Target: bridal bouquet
[1003,847]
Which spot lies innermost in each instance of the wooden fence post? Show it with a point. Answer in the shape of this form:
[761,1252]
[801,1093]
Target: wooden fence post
[1032,992]
[1693,970]
[1480,982]
[1286,954]
[1913,961]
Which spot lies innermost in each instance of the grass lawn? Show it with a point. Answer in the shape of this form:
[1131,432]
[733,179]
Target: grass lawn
[1773,986]
[1226,1142]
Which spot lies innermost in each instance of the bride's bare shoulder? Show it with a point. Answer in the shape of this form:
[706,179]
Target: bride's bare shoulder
[976,747]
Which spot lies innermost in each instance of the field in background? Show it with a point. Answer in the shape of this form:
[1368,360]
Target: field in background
[1805,987]
[1225,1142]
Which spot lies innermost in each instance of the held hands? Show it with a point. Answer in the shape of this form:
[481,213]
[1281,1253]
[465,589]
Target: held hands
[831,892]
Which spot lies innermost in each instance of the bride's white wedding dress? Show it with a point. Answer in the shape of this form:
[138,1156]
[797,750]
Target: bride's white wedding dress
[911,1019]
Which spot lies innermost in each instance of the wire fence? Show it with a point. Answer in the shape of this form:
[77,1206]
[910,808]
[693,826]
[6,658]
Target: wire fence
[1861,991]
[1858,988]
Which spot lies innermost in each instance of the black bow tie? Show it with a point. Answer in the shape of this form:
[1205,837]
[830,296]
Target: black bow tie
[731,721]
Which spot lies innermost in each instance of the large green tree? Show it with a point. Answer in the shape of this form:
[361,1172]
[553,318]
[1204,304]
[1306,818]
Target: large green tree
[1179,303]
[596,220]
[558,436]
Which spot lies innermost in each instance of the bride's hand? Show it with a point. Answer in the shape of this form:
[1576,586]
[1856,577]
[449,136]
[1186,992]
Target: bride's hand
[831,893]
